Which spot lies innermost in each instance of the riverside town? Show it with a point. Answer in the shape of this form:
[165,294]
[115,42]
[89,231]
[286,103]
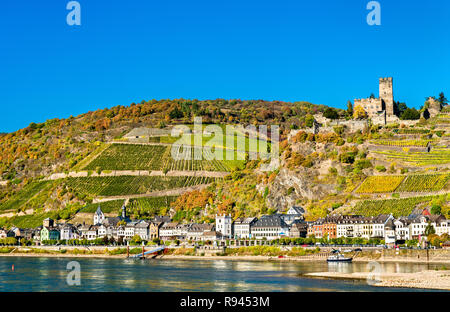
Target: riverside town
[245,149]
[277,229]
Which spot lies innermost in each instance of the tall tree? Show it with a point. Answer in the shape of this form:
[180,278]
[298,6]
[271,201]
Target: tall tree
[400,108]
[442,99]
[429,230]
[349,108]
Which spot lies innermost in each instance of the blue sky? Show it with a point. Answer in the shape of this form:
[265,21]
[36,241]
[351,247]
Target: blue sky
[321,51]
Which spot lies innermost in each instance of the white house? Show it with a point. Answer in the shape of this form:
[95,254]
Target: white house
[168,230]
[88,232]
[67,232]
[196,231]
[142,229]
[130,229]
[402,229]
[224,225]
[181,230]
[269,227]
[440,224]
[102,230]
[378,225]
[242,226]
[346,226]
[443,227]
[417,226]
[294,213]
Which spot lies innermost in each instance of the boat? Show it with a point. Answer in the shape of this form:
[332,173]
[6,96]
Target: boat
[338,257]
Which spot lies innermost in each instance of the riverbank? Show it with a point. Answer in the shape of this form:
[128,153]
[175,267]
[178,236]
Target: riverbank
[430,279]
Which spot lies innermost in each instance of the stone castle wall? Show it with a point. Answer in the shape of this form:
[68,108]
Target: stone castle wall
[371,106]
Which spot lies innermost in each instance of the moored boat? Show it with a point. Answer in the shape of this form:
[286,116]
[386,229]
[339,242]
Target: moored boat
[338,257]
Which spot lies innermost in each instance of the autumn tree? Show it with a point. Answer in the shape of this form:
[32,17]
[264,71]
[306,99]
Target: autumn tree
[359,112]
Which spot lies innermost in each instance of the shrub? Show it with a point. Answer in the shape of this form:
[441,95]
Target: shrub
[410,114]
[331,113]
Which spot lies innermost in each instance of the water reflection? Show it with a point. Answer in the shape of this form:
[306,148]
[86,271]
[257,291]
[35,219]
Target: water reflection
[49,274]
[340,267]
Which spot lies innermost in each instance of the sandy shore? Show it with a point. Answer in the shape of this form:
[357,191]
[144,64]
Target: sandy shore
[425,279]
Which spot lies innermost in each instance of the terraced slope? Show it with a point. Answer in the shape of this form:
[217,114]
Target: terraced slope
[149,206]
[130,185]
[424,183]
[163,157]
[398,207]
[130,157]
[437,156]
[380,184]
[18,200]
[412,183]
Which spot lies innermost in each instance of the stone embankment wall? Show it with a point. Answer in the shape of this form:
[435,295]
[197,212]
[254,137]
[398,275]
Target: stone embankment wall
[415,255]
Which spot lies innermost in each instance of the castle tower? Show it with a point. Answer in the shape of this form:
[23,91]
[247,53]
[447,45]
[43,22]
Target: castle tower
[387,95]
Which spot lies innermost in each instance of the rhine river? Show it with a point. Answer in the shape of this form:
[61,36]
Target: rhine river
[50,274]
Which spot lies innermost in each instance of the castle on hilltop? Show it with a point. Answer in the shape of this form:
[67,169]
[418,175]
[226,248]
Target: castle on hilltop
[381,109]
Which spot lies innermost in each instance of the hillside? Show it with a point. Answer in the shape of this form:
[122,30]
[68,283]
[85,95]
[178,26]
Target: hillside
[57,167]
[66,168]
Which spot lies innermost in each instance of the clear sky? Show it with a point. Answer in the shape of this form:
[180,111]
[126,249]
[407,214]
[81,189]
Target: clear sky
[322,51]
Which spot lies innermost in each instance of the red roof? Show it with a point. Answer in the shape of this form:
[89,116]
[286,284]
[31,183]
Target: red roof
[425,212]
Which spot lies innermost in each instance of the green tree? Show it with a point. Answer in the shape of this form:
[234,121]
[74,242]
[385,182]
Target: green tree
[309,120]
[400,108]
[349,108]
[429,230]
[410,114]
[175,113]
[436,210]
[136,239]
[331,113]
[442,99]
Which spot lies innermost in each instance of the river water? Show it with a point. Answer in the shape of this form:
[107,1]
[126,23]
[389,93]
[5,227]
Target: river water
[50,274]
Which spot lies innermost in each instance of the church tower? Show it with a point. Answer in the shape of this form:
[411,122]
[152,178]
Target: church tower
[124,212]
[387,95]
[99,217]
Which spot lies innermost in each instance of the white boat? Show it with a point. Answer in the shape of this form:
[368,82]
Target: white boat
[338,257]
